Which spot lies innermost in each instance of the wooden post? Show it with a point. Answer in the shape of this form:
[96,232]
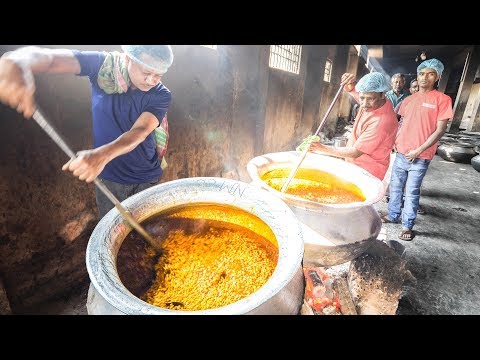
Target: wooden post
[464,90]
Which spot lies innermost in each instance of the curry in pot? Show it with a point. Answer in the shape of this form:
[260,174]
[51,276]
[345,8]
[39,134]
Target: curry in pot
[211,256]
[315,185]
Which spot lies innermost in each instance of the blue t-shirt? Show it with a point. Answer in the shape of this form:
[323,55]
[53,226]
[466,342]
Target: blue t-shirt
[394,99]
[115,114]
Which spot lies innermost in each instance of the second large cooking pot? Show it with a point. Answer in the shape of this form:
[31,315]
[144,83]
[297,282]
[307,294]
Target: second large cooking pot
[333,233]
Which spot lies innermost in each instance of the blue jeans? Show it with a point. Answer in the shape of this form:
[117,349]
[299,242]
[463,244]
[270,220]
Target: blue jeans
[409,175]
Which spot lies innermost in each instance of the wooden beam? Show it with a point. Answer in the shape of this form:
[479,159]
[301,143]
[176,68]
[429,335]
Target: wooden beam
[464,90]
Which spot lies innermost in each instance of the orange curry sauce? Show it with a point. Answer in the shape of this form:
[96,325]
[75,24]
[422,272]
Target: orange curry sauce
[315,185]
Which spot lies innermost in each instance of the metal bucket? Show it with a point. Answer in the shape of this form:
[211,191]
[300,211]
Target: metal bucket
[339,141]
[281,294]
[333,233]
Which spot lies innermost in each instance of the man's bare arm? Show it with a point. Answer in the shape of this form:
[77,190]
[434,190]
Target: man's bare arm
[17,70]
[44,60]
[89,163]
[343,152]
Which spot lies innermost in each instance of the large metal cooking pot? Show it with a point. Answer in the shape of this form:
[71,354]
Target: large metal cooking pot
[447,140]
[457,152]
[476,162]
[333,233]
[281,294]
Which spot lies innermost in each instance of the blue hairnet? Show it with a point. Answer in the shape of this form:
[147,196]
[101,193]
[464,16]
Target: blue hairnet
[432,64]
[158,57]
[373,82]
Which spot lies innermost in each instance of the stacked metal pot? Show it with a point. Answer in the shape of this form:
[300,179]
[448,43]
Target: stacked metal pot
[462,147]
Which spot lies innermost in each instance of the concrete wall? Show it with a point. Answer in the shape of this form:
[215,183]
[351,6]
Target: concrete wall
[339,55]
[314,84]
[46,215]
[284,108]
[228,107]
[218,103]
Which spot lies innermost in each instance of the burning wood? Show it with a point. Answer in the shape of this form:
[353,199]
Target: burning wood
[371,284]
[319,293]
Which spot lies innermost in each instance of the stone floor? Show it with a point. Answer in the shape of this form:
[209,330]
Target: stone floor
[444,256]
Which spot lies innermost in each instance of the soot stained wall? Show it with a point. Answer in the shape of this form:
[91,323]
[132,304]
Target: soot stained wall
[228,107]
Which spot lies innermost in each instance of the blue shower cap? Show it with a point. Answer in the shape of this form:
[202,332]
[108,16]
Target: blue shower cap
[156,57]
[373,82]
[432,64]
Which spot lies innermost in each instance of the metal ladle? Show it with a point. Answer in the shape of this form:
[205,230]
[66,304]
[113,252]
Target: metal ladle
[304,153]
[45,125]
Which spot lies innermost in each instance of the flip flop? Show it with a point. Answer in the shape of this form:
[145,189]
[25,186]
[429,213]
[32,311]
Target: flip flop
[406,235]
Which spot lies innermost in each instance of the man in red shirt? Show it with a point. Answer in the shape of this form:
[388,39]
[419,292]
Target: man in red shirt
[425,117]
[375,127]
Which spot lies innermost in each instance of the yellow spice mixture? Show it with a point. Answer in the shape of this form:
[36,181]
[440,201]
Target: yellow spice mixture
[211,268]
[315,185]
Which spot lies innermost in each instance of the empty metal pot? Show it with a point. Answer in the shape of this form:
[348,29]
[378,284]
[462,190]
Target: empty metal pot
[457,152]
[333,233]
[281,294]
[476,162]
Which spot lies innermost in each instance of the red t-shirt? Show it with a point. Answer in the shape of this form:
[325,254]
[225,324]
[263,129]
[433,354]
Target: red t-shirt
[420,112]
[374,134]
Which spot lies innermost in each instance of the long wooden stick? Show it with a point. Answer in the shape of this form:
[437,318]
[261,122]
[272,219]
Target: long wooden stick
[45,125]
[305,151]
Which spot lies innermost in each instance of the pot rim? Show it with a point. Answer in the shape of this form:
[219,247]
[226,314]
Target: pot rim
[108,235]
[463,145]
[374,192]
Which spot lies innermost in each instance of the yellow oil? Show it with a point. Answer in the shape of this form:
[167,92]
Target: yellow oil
[315,185]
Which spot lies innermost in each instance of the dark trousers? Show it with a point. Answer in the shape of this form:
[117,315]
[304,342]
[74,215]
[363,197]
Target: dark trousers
[121,192]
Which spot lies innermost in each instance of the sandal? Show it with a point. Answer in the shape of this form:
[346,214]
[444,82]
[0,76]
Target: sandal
[406,235]
[421,210]
[386,220]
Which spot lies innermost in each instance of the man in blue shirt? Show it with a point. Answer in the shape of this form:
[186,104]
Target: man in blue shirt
[398,93]
[129,102]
